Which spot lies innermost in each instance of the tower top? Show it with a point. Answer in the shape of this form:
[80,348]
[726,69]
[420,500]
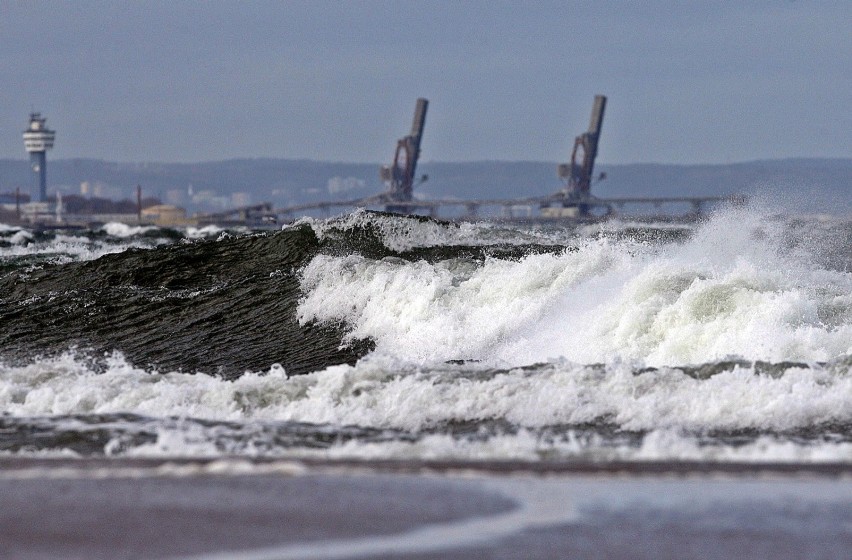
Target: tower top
[37,137]
[37,121]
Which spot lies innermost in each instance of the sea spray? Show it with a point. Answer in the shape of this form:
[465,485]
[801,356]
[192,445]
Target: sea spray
[730,291]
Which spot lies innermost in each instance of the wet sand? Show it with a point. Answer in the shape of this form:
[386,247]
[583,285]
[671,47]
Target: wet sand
[217,509]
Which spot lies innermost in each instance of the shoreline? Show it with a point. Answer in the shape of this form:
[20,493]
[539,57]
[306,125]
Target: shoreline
[245,465]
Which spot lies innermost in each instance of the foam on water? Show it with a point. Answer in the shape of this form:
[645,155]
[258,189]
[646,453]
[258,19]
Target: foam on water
[20,237]
[118,229]
[381,393]
[405,234]
[63,247]
[729,291]
[66,248]
[661,445]
[202,232]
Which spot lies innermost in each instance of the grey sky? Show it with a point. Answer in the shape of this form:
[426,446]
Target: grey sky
[688,82]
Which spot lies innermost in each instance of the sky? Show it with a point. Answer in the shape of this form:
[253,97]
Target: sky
[687,82]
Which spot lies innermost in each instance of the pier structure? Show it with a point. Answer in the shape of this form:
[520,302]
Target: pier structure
[37,140]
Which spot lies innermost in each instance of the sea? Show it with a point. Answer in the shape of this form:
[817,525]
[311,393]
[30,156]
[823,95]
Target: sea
[377,336]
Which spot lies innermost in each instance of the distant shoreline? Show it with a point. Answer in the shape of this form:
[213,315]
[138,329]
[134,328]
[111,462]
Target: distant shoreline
[806,184]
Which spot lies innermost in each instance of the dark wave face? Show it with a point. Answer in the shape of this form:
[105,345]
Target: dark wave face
[213,306]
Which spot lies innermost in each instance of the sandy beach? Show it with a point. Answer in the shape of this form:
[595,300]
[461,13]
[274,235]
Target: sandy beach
[236,509]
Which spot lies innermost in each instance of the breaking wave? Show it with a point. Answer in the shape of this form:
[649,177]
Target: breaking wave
[729,291]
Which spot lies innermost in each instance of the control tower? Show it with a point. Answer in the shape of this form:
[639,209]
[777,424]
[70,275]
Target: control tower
[37,140]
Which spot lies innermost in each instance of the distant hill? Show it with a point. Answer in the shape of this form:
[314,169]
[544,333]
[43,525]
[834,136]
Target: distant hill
[812,185]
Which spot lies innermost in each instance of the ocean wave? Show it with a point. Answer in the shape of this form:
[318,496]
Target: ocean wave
[730,290]
[741,285]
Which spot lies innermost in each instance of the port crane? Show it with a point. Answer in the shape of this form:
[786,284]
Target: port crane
[400,176]
[574,201]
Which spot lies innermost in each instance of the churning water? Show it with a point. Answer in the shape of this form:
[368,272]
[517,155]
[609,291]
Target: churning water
[373,335]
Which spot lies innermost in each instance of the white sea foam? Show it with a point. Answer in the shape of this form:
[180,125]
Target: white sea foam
[661,445]
[21,237]
[731,290]
[382,393]
[202,232]
[379,393]
[118,229]
[402,234]
[63,248]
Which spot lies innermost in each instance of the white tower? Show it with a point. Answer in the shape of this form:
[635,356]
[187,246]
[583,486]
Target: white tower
[37,140]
